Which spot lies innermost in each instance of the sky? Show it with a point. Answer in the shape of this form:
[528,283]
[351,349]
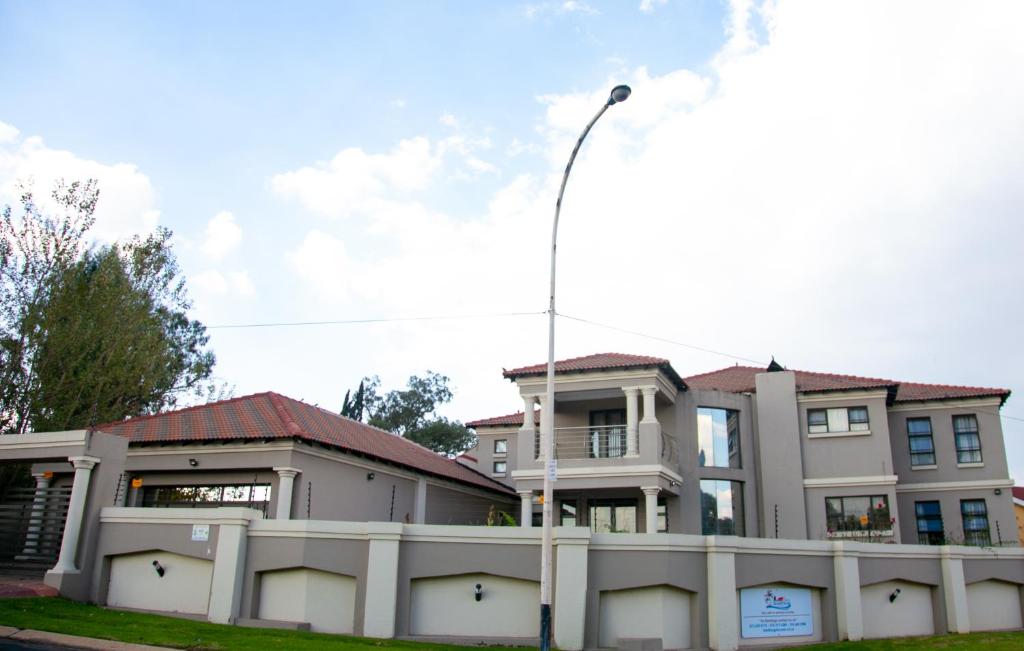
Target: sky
[835,184]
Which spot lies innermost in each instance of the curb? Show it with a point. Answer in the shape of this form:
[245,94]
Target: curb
[77,641]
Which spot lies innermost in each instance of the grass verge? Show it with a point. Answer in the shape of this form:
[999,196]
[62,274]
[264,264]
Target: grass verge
[1002,641]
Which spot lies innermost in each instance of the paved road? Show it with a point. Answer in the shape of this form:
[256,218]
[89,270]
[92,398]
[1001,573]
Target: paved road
[18,645]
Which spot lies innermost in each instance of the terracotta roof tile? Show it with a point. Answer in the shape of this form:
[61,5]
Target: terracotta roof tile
[1018,493]
[497,421]
[265,416]
[598,362]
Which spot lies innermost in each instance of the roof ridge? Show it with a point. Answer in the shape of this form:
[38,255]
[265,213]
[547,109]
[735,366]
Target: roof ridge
[286,417]
[722,370]
[181,410]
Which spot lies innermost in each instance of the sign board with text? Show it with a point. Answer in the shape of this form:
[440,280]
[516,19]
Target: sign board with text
[776,611]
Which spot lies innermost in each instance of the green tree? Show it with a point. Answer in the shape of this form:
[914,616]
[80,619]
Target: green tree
[354,408]
[412,413]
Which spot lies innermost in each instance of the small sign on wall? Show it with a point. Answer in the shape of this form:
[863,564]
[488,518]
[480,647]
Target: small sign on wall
[200,532]
[776,611]
[137,482]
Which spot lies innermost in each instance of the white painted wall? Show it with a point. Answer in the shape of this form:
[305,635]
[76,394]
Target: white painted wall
[446,606]
[326,600]
[910,614]
[184,588]
[657,611]
[994,605]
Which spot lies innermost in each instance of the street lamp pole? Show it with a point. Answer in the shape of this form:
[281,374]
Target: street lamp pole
[547,426]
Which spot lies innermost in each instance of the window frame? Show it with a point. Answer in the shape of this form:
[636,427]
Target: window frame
[843,530]
[500,462]
[503,452]
[596,432]
[734,435]
[976,531]
[739,527]
[863,427]
[919,435]
[928,536]
[961,452]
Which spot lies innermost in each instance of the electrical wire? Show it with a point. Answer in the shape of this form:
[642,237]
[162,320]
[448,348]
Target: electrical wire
[440,317]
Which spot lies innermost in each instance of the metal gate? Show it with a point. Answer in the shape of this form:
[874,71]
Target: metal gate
[31,529]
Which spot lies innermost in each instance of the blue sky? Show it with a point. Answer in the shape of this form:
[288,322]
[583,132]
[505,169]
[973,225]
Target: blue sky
[832,184]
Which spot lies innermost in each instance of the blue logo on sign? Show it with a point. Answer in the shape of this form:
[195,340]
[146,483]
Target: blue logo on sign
[776,602]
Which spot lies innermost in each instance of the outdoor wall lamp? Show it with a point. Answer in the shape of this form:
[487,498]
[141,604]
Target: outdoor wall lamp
[895,593]
[479,592]
[370,476]
[193,462]
[159,568]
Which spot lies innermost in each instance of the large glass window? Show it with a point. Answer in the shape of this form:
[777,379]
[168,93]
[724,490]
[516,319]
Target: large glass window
[613,516]
[567,513]
[718,437]
[721,507]
[922,447]
[867,513]
[929,523]
[968,443]
[255,496]
[607,434]
[975,515]
[840,419]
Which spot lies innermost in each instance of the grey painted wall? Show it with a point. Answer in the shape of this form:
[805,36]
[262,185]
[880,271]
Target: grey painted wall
[780,459]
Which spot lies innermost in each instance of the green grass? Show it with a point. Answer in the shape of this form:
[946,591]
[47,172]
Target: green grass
[62,616]
[1004,641]
[58,615]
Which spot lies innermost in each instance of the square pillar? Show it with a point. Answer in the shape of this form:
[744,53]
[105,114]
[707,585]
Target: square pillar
[419,515]
[381,579]
[632,427]
[723,624]
[571,546]
[954,589]
[525,508]
[229,567]
[849,618]
[285,488]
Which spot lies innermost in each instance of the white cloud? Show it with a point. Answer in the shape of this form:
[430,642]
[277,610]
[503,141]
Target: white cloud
[127,204]
[564,7]
[648,6]
[322,260]
[397,103]
[219,283]
[448,120]
[223,236]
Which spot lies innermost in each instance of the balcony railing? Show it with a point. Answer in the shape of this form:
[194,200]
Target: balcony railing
[595,442]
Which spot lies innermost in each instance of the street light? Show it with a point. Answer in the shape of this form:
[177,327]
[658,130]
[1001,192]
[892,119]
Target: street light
[618,94]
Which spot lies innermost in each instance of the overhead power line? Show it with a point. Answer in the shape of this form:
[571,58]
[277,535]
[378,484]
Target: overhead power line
[437,317]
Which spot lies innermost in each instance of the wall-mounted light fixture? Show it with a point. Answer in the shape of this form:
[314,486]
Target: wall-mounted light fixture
[673,483]
[370,476]
[193,462]
[159,568]
[895,593]
[478,593]
[999,491]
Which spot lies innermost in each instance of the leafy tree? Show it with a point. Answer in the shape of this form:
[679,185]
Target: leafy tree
[91,335]
[412,413]
[354,408]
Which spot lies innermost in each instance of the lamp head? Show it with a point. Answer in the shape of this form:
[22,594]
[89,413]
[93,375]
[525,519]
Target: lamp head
[619,94]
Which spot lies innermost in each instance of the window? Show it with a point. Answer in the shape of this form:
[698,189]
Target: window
[718,437]
[922,447]
[840,419]
[500,467]
[721,507]
[975,515]
[613,516]
[255,496]
[929,523]
[867,513]
[607,436]
[662,515]
[500,446]
[567,513]
[968,443]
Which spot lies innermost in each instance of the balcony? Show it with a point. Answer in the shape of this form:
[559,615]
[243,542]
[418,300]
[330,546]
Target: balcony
[603,442]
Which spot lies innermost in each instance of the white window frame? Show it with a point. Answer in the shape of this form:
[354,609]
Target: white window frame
[837,422]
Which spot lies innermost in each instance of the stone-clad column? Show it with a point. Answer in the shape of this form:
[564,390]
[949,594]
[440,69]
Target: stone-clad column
[76,509]
[632,427]
[284,492]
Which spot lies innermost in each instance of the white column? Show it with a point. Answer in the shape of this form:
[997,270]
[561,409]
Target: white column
[954,589]
[632,428]
[849,617]
[381,579]
[649,415]
[228,570]
[528,408]
[38,510]
[571,545]
[543,400]
[419,515]
[723,624]
[284,492]
[76,509]
[526,508]
[651,507]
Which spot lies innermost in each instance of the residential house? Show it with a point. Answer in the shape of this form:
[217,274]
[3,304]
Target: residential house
[756,452]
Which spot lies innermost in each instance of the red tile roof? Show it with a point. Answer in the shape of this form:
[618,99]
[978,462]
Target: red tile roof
[599,362]
[1018,493]
[740,379]
[503,421]
[265,416]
